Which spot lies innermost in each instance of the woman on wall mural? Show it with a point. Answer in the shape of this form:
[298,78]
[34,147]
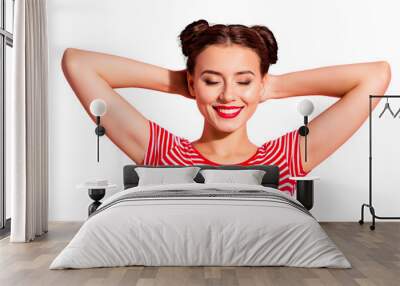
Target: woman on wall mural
[227,74]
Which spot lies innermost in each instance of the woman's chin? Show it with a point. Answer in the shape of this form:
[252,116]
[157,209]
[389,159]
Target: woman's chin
[228,127]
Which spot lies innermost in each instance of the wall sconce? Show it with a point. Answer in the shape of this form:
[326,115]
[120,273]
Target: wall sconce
[98,108]
[305,108]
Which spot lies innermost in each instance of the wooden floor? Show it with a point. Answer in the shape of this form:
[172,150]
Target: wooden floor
[374,255]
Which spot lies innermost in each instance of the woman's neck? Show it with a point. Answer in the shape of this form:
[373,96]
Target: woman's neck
[224,145]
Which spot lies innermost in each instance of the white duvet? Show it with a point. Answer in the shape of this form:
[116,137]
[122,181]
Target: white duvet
[190,230]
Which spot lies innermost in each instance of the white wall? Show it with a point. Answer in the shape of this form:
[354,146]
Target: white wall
[309,34]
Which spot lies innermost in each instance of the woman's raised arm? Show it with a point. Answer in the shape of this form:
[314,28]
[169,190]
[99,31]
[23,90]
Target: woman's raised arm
[352,83]
[94,75]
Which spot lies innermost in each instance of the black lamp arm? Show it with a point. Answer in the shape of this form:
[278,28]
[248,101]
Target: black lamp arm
[305,120]
[100,131]
[303,131]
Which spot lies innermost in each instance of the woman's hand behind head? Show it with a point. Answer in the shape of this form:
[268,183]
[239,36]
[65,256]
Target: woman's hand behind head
[179,83]
[269,91]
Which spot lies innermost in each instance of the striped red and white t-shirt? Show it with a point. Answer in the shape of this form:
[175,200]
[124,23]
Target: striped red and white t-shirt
[165,148]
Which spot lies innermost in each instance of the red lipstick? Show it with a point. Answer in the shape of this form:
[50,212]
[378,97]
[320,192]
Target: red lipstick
[228,111]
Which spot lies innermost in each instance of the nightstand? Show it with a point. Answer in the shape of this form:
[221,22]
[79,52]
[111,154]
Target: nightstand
[96,193]
[305,190]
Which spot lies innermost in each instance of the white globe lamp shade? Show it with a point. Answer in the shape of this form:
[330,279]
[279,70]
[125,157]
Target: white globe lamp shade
[305,107]
[98,107]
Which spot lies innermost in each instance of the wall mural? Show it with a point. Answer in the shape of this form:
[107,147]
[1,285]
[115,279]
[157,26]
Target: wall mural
[227,77]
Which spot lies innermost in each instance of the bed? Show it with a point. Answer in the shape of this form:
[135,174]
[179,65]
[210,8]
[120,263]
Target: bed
[201,223]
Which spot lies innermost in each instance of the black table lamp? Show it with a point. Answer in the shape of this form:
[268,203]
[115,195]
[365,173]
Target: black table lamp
[305,108]
[98,108]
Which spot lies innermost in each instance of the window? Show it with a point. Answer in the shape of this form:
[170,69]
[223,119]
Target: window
[6,44]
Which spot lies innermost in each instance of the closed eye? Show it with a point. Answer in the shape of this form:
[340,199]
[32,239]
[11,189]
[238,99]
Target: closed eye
[211,82]
[215,82]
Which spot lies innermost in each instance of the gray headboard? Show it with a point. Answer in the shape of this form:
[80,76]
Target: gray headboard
[270,179]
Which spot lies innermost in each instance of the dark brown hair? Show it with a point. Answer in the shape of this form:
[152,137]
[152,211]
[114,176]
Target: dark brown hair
[199,34]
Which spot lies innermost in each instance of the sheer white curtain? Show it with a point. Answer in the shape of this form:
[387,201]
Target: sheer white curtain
[26,129]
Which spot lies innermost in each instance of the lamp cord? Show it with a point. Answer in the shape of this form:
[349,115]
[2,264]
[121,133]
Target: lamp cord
[305,146]
[98,146]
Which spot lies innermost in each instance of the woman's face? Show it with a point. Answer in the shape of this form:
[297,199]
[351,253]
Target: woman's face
[227,85]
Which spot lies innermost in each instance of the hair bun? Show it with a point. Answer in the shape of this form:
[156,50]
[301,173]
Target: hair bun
[189,34]
[270,42]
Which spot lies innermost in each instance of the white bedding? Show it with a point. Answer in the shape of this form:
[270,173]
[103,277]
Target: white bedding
[190,230]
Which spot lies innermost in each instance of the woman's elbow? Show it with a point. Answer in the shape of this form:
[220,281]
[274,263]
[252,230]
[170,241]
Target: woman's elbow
[384,73]
[70,61]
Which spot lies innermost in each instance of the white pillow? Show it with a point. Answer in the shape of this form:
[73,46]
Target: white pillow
[165,175]
[249,177]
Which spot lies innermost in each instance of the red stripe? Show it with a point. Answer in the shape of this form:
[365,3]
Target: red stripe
[272,148]
[294,155]
[162,142]
[301,170]
[146,155]
[151,146]
[276,151]
[174,154]
[156,149]
[168,162]
[288,153]
[293,158]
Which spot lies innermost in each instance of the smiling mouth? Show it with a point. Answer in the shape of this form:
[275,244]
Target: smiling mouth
[228,111]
